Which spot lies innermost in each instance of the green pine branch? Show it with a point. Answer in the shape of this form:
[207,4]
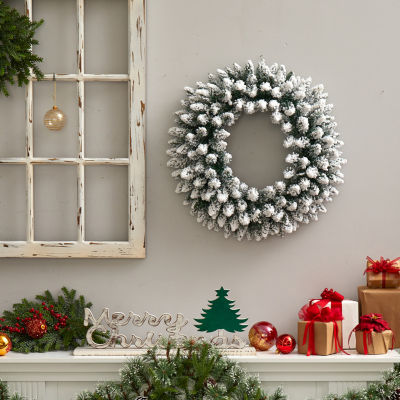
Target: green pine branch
[64,338]
[16,41]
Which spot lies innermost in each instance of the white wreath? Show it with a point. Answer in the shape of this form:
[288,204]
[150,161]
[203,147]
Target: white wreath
[200,161]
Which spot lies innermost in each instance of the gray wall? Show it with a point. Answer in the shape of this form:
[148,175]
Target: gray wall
[351,47]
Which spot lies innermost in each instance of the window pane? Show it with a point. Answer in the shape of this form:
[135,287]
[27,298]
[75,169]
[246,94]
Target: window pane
[12,123]
[55,202]
[58,37]
[12,202]
[106,201]
[106,119]
[63,143]
[106,36]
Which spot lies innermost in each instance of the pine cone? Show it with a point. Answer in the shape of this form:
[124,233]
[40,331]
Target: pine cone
[36,328]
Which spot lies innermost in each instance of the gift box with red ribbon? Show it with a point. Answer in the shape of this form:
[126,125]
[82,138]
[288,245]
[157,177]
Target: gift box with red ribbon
[383,273]
[319,331]
[348,309]
[373,335]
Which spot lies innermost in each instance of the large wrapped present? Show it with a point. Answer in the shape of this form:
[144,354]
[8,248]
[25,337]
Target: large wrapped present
[347,308]
[373,335]
[383,273]
[385,302]
[319,331]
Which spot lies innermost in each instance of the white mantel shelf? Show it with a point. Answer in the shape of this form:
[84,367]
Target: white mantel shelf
[60,375]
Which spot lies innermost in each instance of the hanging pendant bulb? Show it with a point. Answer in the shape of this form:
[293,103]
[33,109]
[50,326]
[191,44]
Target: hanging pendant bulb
[54,119]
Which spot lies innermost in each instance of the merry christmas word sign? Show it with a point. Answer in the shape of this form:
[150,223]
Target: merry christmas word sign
[105,323]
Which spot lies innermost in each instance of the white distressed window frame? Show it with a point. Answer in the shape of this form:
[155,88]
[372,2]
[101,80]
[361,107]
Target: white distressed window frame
[81,248]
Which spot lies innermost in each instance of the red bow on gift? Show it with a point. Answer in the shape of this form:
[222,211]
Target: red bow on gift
[313,313]
[330,294]
[384,266]
[371,323]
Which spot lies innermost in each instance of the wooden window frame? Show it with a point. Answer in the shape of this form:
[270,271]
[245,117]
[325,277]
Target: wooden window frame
[135,162]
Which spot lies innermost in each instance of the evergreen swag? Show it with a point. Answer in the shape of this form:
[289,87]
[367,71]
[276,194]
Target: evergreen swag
[158,374]
[196,371]
[63,318]
[16,40]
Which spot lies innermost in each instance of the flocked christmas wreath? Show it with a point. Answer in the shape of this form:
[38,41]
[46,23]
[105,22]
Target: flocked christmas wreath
[218,199]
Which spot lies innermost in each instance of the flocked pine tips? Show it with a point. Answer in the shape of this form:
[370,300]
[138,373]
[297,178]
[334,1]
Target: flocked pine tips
[200,162]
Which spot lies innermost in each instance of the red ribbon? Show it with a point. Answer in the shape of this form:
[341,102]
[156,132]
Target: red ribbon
[312,314]
[367,334]
[309,331]
[384,266]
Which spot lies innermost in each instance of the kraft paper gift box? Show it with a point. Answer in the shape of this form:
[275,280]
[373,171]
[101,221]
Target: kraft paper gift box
[375,342]
[383,273]
[349,310]
[385,302]
[324,339]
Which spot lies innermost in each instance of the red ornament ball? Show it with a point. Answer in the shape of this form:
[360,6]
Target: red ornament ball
[262,335]
[285,344]
[36,328]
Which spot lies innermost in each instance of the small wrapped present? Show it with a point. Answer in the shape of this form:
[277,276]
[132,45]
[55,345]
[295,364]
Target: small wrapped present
[385,302]
[319,331]
[373,335]
[383,273]
[347,308]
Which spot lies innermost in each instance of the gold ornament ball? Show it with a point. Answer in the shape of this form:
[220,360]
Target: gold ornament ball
[5,344]
[262,335]
[54,119]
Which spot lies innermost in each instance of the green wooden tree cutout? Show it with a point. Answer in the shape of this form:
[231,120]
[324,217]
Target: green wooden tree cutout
[221,315]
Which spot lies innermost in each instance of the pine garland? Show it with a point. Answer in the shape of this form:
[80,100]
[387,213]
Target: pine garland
[138,371]
[63,318]
[195,371]
[16,41]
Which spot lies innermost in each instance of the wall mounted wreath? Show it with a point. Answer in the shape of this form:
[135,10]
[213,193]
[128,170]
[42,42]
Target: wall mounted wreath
[16,41]
[218,199]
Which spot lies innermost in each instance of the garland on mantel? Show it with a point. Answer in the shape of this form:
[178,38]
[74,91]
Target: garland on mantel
[196,371]
[388,389]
